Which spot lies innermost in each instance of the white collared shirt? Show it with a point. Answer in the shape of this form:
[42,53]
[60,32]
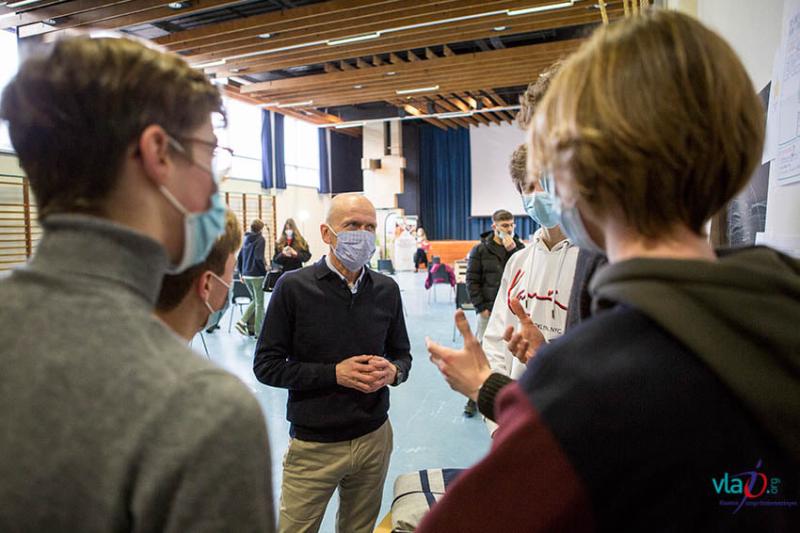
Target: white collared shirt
[352,286]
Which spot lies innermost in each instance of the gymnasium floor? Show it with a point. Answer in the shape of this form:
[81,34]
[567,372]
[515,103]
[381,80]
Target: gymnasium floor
[429,428]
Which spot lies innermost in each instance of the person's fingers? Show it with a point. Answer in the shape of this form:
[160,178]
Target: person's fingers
[463,326]
[524,349]
[361,359]
[436,350]
[519,312]
[508,333]
[513,344]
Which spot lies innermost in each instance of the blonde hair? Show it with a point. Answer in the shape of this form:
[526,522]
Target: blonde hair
[653,117]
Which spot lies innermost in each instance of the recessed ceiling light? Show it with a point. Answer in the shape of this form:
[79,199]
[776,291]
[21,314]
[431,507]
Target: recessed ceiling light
[417,90]
[178,5]
[358,86]
[392,73]
[500,28]
[264,35]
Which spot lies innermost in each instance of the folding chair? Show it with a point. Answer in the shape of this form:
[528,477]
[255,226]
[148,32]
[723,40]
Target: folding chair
[240,296]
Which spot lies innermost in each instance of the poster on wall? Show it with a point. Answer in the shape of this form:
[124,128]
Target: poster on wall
[747,212]
[785,121]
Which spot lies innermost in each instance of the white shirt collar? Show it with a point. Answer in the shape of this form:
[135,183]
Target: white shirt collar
[353,287]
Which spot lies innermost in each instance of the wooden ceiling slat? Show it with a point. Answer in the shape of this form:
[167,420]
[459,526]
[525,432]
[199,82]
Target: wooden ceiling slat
[35,14]
[429,67]
[411,110]
[116,15]
[505,78]
[481,28]
[448,107]
[485,118]
[335,22]
[315,55]
[498,100]
[297,16]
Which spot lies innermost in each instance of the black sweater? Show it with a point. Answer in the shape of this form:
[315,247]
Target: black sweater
[314,322]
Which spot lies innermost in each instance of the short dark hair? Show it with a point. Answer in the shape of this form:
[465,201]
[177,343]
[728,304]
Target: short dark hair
[256,226]
[502,214]
[75,108]
[174,287]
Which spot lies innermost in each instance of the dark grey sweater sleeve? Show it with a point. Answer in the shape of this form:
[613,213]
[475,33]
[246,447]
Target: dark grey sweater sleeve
[398,348]
[488,393]
[205,463]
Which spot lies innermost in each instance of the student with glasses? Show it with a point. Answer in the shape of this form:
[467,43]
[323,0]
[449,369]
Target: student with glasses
[110,422]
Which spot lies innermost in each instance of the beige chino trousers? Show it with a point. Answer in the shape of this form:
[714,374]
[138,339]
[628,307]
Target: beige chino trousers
[313,470]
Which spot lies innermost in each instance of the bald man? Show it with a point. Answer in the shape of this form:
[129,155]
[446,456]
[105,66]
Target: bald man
[334,335]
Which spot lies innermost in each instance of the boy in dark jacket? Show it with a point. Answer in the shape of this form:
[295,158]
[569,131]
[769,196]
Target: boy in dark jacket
[485,270]
[253,269]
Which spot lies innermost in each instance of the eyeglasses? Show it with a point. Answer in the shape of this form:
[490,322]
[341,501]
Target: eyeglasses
[221,157]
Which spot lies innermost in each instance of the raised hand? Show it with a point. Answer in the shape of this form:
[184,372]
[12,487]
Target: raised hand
[524,343]
[466,369]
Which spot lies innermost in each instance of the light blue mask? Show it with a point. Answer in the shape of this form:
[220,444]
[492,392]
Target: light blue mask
[540,207]
[354,248]
[216,316]
[572,222]
[200,230]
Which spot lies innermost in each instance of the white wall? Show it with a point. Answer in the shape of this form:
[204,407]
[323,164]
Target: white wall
[293,202]
[383,185]
[490,152]
[754,30]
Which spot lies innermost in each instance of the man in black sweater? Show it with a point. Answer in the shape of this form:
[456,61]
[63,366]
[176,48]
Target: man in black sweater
[334,335]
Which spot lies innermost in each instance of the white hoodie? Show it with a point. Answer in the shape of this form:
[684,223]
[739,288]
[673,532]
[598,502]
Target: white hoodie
[542,280]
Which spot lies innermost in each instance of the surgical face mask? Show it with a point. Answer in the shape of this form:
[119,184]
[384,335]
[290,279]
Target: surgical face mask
[572,223]
[540,207]
[289,233]
[354,248]
[216,316]
[200,230]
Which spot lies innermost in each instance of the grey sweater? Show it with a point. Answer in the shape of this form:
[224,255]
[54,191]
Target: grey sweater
[108,422]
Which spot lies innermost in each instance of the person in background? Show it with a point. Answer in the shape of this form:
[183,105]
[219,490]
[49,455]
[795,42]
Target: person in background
[335,337]
[423,247]
[194,299]
[253,269]
[689,362]
[110,422]
[485,265]
[291,250]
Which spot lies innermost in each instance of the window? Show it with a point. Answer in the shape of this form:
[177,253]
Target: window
[243,136]
[8,67]
[301,152]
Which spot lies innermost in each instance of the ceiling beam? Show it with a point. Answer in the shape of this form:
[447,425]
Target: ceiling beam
[405,72]
[319,54]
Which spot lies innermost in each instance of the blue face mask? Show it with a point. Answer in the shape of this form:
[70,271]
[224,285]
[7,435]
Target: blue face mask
[200,230]
[216,316]
[354,248]
[572,222]
[540,207]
